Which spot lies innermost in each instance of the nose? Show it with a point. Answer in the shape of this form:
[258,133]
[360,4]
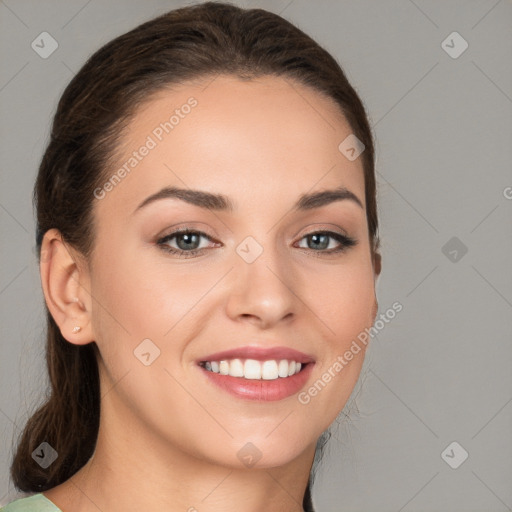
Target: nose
[262,291]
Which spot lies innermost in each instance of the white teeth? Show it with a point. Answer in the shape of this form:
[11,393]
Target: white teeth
[224,368]
[269,370]
[236,368]
[253,369]
[282,370]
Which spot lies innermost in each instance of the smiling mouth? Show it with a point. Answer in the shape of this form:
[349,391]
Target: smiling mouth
[252,369]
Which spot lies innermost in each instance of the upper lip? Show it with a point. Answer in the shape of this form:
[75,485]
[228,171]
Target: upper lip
[259,354]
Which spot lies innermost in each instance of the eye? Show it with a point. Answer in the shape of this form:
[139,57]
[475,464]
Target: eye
[188,242]
[321,240]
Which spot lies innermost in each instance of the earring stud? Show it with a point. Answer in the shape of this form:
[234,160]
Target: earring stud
[77,329]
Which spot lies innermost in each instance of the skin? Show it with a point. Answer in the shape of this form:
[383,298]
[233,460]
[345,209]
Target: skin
[168,439]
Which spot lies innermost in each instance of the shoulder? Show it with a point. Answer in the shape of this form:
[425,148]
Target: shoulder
[36,503]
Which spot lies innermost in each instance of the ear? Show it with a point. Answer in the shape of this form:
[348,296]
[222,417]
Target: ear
[66,284]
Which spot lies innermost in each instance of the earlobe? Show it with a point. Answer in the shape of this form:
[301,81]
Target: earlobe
[65,283]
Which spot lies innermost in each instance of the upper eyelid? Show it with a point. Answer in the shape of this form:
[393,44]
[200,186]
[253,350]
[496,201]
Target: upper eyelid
[317,227]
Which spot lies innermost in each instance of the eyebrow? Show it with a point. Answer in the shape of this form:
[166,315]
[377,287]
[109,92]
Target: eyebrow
[220,202]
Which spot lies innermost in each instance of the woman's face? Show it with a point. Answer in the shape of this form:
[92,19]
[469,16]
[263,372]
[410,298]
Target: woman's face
[251,276]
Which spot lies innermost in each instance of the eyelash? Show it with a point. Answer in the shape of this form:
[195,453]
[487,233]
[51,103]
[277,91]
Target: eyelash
[345,241]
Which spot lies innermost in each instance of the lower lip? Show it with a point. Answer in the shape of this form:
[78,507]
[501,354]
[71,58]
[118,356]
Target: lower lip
[259,389]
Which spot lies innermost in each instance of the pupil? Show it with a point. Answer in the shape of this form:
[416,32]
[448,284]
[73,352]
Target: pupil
[316,239]
[187,237]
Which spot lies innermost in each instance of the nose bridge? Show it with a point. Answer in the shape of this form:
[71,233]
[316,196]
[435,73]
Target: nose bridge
[261,257]
[262,281]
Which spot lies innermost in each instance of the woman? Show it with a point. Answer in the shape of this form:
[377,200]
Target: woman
[208,241]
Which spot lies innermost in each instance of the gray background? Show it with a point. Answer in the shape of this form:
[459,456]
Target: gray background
[440,371]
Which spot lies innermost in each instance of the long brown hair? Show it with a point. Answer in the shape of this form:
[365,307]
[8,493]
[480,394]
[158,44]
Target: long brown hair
[192,42]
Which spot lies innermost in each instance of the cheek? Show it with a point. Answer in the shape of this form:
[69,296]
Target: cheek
[137,297]
[344,305]
[135,294]
[343,298]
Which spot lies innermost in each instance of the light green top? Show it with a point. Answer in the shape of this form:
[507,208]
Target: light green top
[36,503]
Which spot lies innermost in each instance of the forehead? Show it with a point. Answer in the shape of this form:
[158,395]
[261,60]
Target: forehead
[269,136]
